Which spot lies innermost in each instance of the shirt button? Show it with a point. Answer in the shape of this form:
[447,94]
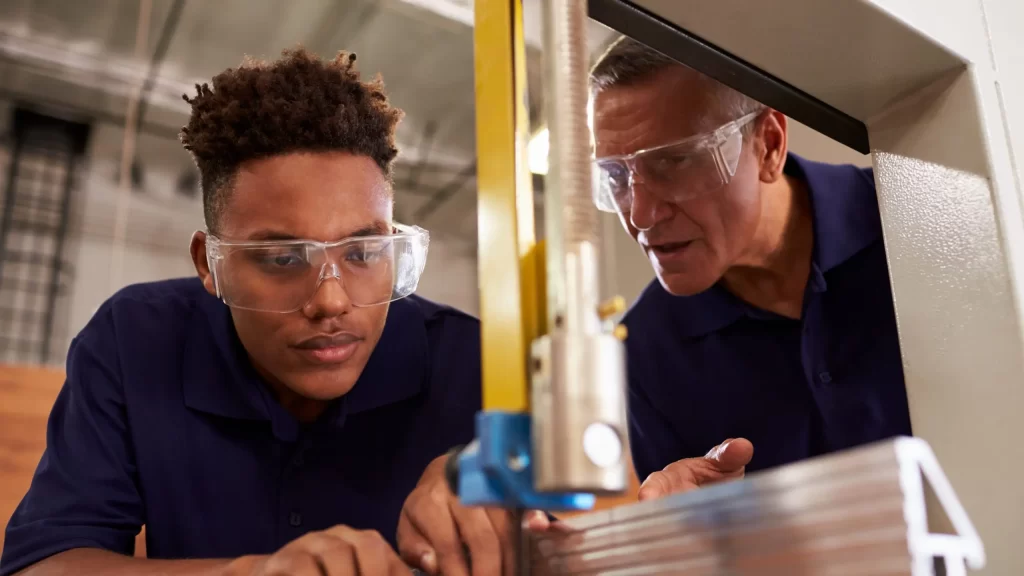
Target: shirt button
[298,461]
[295,519]
[824,377]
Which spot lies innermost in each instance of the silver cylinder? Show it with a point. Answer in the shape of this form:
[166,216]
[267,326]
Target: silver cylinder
[566,66]
[579,439]
[578,371]
[571,219]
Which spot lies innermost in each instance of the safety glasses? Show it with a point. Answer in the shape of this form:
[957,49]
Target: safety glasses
[283,276]
[673,172]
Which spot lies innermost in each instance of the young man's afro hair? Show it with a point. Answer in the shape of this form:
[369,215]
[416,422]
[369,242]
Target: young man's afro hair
[298,103]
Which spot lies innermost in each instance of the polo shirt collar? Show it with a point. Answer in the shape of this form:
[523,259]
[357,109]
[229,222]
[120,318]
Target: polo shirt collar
[844,206]
[219,378]
[846,220]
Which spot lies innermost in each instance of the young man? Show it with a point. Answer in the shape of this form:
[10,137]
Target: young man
[274,413]
[771,321]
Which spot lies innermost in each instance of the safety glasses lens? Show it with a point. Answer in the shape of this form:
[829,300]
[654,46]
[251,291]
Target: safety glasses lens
[283,278]
[670,174]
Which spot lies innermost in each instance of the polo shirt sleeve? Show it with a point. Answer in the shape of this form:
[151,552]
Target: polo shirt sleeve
[84,492]
[648,434]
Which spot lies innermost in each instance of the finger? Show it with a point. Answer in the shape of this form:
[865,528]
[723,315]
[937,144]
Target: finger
[508,538]
[331,553]
[432,518]
[677,477]
[338,559]
[480,537]
[398,568]
[731,456]
[372,553]
[560,527]
[395,567]
[414,548]
[287,563]
[536,521]
[652,487]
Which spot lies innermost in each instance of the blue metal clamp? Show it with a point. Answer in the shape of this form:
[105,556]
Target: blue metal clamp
[496,469]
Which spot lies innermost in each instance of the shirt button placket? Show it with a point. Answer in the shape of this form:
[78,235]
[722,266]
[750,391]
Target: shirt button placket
[291,494]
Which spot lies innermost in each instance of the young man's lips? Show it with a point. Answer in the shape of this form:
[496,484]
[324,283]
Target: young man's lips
[329,349]
[334,354]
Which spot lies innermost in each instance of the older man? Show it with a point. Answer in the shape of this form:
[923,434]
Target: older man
[771,322]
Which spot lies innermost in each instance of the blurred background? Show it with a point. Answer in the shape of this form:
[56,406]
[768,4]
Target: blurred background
[97,192]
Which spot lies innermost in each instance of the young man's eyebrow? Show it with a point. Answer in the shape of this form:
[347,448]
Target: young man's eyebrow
[376,229]
[266,235]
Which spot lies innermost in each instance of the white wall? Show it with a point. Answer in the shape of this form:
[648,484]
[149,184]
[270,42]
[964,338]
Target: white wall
[1005,20]
[159,223]
[451,273]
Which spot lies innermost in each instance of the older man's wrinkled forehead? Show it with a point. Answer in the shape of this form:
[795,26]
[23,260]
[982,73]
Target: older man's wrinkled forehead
[664,107]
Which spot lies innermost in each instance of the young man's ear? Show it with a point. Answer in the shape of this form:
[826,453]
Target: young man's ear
[773,135]
[197,249]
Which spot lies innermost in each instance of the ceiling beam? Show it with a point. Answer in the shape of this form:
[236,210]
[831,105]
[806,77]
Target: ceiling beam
[461,11]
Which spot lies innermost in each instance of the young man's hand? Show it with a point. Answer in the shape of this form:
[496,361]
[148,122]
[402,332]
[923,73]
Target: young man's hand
[339,551]
[439,535]
[726,461]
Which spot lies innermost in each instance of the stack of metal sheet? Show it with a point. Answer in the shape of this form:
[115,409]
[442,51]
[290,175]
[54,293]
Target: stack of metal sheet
[857,512]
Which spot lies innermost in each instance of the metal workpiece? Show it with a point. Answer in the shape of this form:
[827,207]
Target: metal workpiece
[860,511]
[579,414]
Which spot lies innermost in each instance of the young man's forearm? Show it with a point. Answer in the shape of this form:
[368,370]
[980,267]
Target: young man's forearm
[92,561]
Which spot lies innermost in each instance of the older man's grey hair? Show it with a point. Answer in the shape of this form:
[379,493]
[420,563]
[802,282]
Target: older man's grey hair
[628,62]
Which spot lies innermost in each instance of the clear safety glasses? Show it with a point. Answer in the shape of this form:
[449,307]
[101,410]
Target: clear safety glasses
[283,276]
[674,172]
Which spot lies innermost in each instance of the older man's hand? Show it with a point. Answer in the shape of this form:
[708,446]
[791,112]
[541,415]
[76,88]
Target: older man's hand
[726,461]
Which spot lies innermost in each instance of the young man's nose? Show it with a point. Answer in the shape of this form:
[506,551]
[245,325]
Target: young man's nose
[331,297]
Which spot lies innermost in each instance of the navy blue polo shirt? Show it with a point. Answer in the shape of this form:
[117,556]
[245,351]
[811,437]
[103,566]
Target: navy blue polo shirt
[710,367]
[163,422]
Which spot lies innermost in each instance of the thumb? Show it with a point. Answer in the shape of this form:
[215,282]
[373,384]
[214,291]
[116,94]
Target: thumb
[731,455]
